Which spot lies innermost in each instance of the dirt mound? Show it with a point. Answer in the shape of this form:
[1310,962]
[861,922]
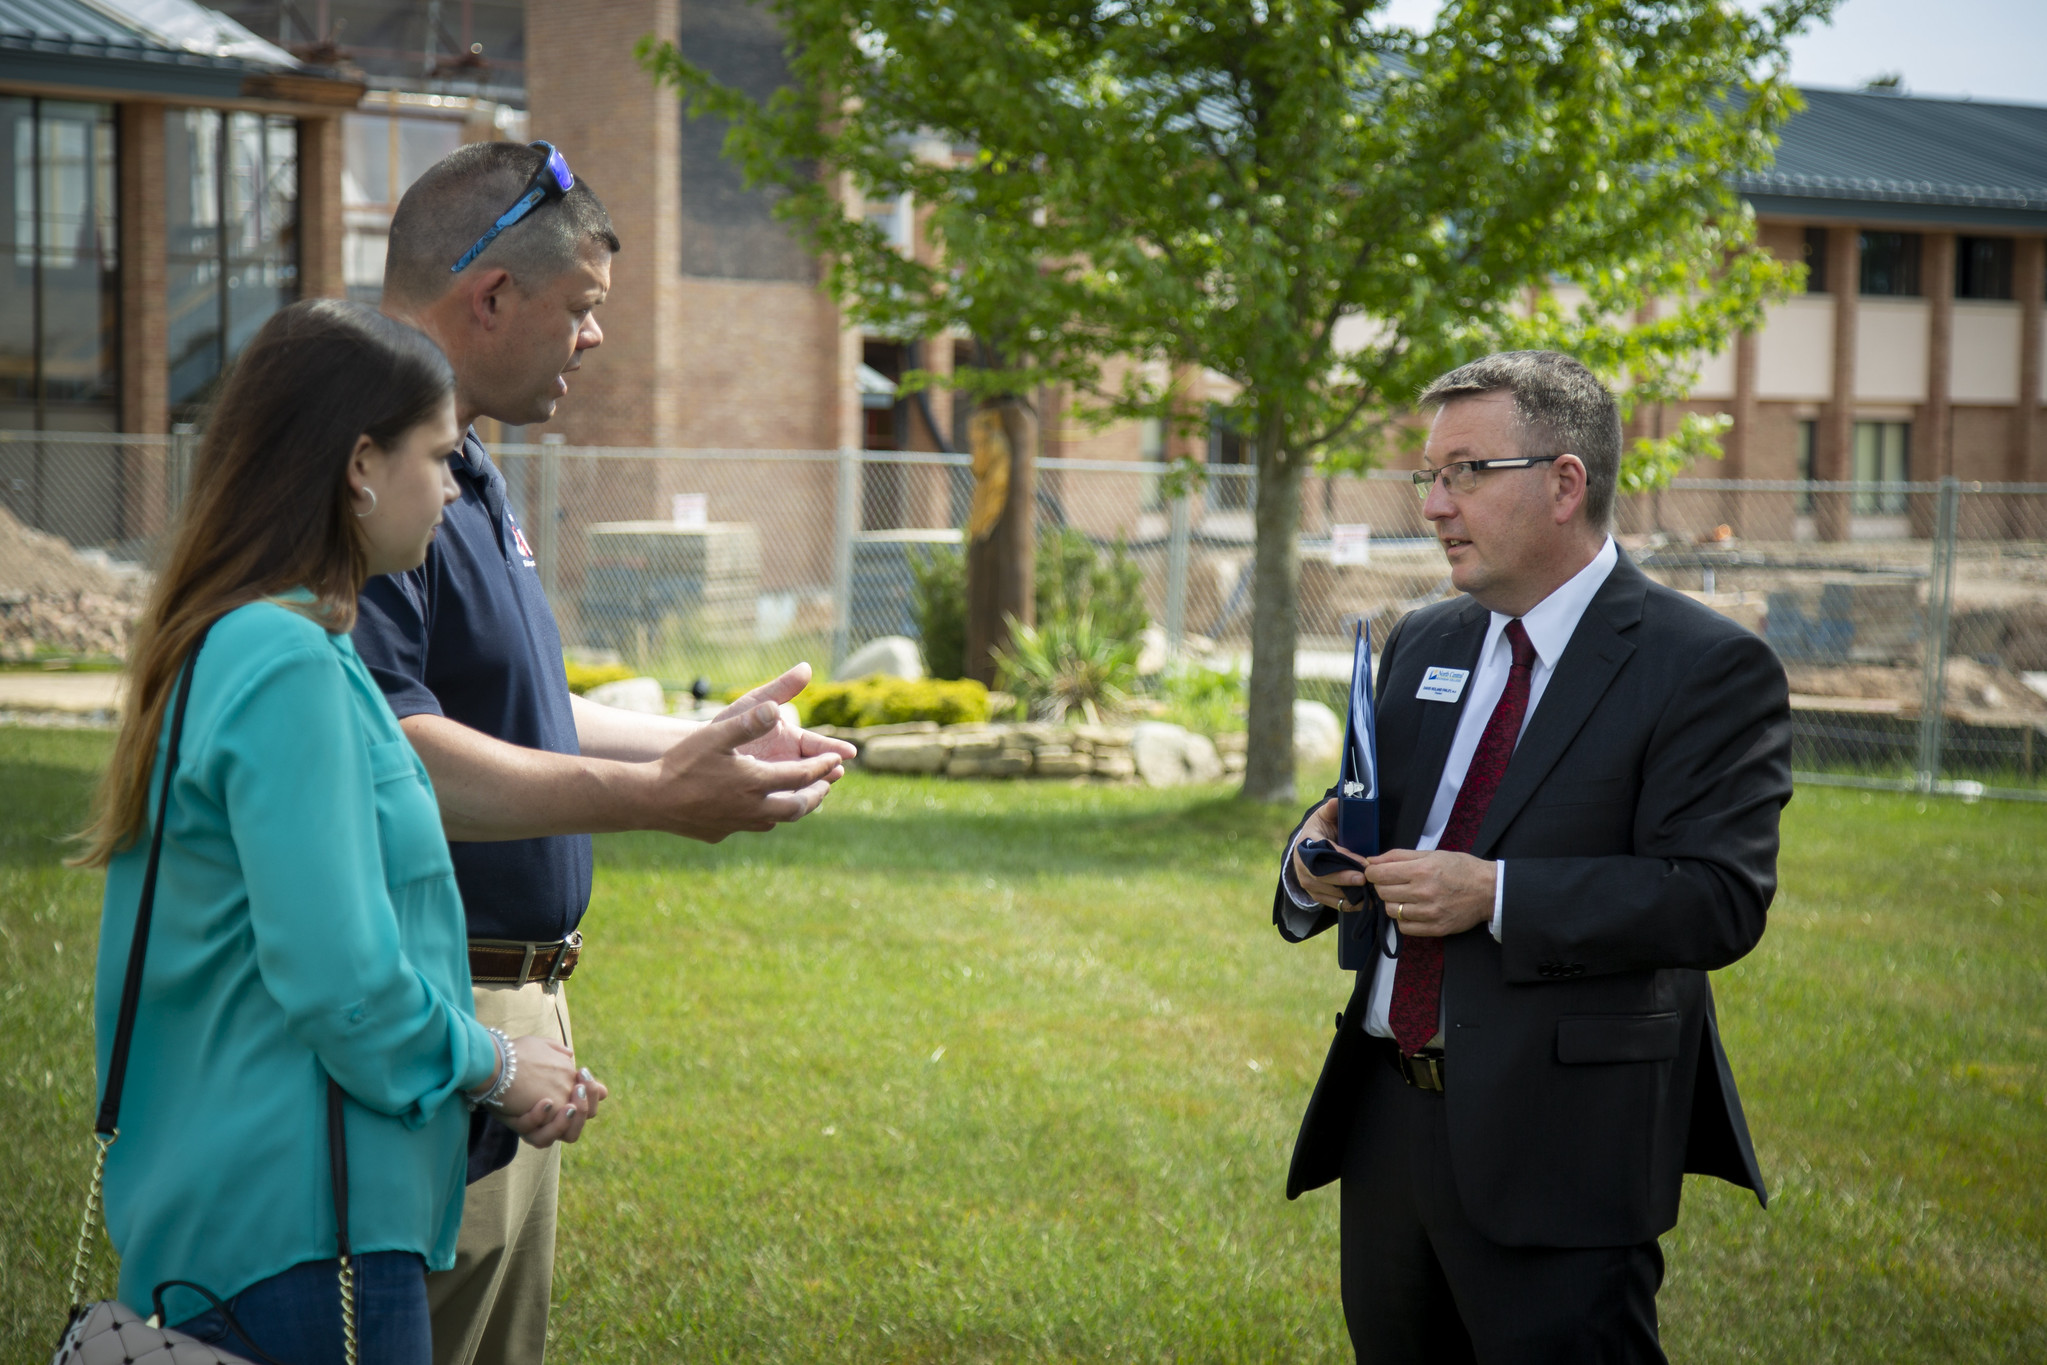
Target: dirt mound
[54,600]
[1971,686]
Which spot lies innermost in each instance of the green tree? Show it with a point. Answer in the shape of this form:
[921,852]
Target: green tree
[1326,208]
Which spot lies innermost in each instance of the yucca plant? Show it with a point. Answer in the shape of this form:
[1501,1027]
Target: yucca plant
[1066,664]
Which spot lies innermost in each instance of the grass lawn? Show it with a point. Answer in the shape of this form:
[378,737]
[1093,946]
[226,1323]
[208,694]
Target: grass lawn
[962,1072]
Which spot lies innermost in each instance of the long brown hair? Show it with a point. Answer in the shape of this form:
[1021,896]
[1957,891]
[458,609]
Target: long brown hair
[268,510]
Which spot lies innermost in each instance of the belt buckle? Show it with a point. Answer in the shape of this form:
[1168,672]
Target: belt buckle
[573,943]
[1423,1070]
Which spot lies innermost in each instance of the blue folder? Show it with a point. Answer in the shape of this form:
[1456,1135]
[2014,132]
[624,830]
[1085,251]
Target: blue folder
[1357,799]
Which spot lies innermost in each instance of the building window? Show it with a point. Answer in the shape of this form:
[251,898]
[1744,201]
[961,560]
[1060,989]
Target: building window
[895,219]
[60,296]
[1151,449]
[1890,263]
[1228,446]
[1983,267]
[231,239]
[382,155]
[1808,434]
[1815,258]
[1882,455]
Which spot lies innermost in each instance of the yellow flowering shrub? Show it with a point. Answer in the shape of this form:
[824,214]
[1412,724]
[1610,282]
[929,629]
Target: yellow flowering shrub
[879,700]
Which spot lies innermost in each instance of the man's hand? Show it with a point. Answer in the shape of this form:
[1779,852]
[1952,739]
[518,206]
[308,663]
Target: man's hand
[708,785]
[1433,895]
[788,739]
[1321,824]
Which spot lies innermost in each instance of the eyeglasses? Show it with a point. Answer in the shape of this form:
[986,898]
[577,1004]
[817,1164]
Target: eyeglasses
[1462,475]
[551,181]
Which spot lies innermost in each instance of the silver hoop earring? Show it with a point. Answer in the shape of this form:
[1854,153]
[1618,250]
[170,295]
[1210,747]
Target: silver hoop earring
[373,502]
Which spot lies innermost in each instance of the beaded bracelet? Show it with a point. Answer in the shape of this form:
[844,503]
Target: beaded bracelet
[508,1067]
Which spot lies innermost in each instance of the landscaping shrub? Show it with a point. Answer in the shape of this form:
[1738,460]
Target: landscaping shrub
[879,700]
[1068,664]
[1207,700]
[1075,579]
[583,677]
[938,599]
[1071,578]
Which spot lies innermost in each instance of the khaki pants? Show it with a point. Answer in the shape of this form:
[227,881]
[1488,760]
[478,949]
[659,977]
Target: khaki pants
[492,1305]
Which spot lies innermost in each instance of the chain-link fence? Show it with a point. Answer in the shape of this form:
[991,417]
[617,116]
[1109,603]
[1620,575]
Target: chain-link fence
[1911,617]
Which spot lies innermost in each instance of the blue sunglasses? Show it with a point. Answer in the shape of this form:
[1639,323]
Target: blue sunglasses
[551,181]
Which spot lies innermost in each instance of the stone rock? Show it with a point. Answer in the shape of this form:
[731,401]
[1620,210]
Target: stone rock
[984,745]
[1063,765]
[1233,764]
[631,694]
[1037,734]
[1116,765]
[905,754]
[892,656]
[1171,756]
[1011,763]
[1232,742]
[861,734]
[1318,734]
[1101,738]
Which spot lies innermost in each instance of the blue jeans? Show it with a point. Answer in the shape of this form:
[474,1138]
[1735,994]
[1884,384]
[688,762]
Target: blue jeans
[296,1316]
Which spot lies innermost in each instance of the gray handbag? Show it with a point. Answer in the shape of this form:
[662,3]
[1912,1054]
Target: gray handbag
[110,1332]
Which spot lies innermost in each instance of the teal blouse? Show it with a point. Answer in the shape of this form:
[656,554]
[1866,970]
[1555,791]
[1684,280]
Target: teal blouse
[307,924]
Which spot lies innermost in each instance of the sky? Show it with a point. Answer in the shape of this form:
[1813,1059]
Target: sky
[1984,49]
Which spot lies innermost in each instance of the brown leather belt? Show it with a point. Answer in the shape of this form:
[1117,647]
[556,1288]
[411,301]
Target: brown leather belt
[496,960]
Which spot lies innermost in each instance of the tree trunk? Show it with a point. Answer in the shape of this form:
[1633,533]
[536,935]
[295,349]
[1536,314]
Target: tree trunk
[1001,530]
[1275,609]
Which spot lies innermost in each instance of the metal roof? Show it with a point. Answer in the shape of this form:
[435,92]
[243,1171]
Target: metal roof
[99,47]
[1876,156]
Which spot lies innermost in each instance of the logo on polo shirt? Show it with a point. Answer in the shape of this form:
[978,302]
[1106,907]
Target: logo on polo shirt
[519,538]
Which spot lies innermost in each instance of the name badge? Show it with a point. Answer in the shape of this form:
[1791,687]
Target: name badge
[1443,684]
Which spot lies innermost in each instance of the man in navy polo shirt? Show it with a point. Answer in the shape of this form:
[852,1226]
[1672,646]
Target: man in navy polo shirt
[501,257]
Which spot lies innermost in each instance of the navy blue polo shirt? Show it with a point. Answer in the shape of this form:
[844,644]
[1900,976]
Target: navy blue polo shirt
[469,635]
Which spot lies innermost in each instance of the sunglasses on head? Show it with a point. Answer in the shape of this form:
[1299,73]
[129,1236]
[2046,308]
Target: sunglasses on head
[551,181]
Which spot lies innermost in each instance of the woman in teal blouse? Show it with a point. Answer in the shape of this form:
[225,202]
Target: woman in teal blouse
[306,920]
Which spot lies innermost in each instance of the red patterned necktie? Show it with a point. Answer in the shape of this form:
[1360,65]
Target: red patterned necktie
[1418,982]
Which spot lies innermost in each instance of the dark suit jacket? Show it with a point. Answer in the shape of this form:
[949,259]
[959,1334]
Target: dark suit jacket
[1638,820]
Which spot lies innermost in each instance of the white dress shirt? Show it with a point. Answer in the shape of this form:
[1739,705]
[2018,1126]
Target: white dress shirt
[1550,625]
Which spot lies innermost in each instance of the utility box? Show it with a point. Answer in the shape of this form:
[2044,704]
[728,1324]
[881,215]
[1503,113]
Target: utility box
[647,579]
[1865,619]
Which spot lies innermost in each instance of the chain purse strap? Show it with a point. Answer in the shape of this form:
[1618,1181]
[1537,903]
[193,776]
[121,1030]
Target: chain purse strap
[106,1127]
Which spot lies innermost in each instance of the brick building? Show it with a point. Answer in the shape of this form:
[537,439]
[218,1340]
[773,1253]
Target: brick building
[1914,353]
[172,180]
[206,166]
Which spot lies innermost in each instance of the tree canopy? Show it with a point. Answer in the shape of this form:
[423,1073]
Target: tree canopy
[1328,209]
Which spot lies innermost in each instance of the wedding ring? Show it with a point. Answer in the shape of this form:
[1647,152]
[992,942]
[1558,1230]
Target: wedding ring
[1397,908]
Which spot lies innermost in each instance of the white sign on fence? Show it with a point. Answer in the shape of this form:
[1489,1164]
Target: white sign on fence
[690,511]
[1350,544]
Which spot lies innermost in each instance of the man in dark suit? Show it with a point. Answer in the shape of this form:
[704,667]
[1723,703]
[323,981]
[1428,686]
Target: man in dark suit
[1581,773]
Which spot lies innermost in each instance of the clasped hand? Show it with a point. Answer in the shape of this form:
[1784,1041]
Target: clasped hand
[1433,894]
[550,1098]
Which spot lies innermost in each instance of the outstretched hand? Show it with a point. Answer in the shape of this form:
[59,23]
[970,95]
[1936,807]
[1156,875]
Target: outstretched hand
[788,740]
[710,783]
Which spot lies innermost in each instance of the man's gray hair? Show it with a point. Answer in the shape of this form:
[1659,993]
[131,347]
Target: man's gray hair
[1564,410]
[458,199]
